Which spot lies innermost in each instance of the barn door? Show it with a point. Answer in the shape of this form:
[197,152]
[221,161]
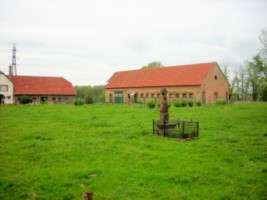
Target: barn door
[135,98]
[118,97]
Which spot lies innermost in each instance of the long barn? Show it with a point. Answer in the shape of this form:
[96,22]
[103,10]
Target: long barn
[202,82]
[40,89]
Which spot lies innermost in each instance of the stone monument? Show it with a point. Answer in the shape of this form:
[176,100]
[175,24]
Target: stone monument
[164,113]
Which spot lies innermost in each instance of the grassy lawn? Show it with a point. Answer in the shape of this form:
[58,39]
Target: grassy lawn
[58,151]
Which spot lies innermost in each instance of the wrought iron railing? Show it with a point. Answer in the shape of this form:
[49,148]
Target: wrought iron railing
[177,128]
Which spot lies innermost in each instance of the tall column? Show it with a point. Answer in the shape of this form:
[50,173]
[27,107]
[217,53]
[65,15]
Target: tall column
[164,114]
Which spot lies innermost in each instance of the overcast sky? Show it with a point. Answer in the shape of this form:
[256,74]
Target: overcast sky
[86,41]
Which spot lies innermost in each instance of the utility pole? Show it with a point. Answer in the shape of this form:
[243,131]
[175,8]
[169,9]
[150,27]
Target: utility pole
[14,60]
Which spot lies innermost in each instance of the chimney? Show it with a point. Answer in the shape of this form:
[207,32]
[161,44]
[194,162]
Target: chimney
[10,72]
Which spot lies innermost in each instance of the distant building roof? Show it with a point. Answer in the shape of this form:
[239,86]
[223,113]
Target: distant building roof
[183,75]
[37,85]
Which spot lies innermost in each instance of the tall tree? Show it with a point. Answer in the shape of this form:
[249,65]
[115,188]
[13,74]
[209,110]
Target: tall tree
[231,84]
[263,53]
[243,80]
[253,68]
[263,40]
[236,84]
[153,64]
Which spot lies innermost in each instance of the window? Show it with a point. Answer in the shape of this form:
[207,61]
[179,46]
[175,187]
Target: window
[170,95]
[215,77]
[177,95]
[158,95]
[147,95]
[141,95]
[3,88]
[152,95]
[191,95]
[184,95]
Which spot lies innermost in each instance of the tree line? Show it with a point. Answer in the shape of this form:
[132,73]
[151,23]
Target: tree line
[249,82]
[91,94]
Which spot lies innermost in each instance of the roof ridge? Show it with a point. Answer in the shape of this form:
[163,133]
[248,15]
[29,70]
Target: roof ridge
[183,65]
[38,76]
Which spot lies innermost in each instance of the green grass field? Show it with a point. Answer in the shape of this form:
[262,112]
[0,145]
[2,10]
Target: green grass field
[58,151]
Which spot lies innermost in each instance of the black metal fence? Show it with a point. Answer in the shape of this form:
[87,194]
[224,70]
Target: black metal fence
[177,128]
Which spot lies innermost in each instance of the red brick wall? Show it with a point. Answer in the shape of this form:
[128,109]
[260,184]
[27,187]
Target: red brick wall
[215,86]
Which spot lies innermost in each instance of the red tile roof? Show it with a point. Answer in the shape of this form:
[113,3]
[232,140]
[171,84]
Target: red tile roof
[36,85]
[183,75]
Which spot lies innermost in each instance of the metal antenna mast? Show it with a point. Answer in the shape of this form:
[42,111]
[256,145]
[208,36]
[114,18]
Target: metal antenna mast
[14,60]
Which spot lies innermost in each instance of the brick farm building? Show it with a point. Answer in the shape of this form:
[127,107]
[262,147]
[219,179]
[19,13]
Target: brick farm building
[203,82]
[40,89]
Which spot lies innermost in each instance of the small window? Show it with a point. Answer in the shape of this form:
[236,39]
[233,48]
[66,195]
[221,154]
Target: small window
[141,95]
[152,95]
[184,95]
[170,95]
[158,95]
[8,97]
[191,95]
[177,95]
[3,88]
[215,77]
[147,95]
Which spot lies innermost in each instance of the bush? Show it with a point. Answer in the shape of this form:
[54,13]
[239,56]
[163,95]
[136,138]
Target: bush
[198,103]
[220,101]
[190,103]
[89,100]
[183,103]
[78,102]
[151,104]
[25,99]
[177,104]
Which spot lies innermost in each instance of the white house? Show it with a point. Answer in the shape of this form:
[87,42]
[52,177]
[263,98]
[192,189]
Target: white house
[6,89]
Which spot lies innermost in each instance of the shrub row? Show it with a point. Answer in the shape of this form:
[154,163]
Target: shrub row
[220,101]
[178,103]
[184,103]
[78,102]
